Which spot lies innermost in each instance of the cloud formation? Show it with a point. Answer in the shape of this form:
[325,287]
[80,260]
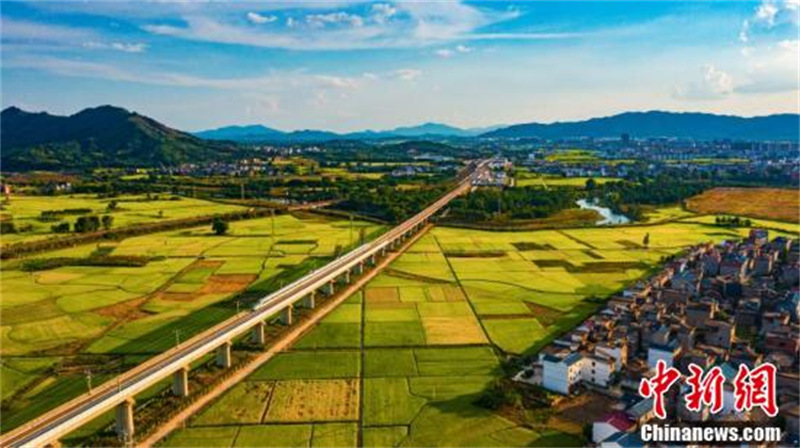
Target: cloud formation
[260,19]
[118,46]
[715,84]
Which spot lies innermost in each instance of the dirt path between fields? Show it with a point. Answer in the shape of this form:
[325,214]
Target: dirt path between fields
[283,343]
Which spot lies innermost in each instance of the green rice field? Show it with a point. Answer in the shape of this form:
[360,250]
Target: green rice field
[428,334]
[108,318]
[130,210]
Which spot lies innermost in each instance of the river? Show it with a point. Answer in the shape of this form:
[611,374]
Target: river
[609,217]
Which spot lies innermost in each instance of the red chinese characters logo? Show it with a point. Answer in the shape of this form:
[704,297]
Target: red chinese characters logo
[751,388]
[704,389]
[658,385]
[756,388]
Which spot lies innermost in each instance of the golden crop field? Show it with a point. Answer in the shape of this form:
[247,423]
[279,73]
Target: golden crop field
[770,203]
[314,400]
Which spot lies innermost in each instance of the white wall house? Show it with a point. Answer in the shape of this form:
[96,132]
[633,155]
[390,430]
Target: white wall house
[597,369]
[619,352]
[668,353]
[561,374]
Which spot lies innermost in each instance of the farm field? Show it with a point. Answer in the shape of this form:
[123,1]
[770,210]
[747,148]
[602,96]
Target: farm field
[131,210]
[57,322]
[548,181]
[427,335]
[767,203]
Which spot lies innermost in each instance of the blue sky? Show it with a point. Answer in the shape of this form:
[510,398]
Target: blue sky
[356,65]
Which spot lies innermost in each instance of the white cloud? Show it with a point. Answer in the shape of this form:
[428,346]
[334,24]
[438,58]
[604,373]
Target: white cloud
[715,84]
[408,74]
[273,82]
[766,12]
[769,14]
[444,53]
[118,46]
[771,67]
[383,25]
[339,82]
[447,52]
[383,12]
[744,32]
[33,32]
[321,20]
[259,19]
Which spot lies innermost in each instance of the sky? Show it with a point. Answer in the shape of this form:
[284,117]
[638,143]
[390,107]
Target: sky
[346,66]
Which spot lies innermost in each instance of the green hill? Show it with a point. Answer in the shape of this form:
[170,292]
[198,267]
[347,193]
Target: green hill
[104,136]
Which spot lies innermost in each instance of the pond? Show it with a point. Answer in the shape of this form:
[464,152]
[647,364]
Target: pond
[609,217]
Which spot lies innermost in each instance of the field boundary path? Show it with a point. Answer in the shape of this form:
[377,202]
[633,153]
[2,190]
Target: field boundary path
[283,343]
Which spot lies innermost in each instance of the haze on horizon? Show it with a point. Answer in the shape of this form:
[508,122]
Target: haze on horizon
[349,66]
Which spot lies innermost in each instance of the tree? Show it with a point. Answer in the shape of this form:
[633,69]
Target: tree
[87,224]
[107,221]
[219,226]
[9,227]
[646,240]
[591,184]
[60,227]
[112,206]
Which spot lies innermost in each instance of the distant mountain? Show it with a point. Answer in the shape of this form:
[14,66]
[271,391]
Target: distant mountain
[252,133]
[95,137]
[699,126]
[259,133]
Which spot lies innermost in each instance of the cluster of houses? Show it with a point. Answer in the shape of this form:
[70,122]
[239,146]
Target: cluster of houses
[715,305]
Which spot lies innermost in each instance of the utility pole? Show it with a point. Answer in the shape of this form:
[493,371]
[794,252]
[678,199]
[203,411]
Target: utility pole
[241,190]
[351,230]
[88,373]
[272,217]
[177,337]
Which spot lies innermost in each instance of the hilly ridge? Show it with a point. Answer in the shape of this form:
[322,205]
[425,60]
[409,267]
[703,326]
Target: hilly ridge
[692,125]
[260,133]
[95,137]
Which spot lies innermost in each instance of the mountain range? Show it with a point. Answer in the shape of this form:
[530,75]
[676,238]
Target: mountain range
[692,125]
[96,137]
[112,136]
[259,133]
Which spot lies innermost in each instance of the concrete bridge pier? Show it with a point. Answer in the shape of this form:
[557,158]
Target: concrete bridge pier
[180,382]
[328,289]
[383,251]
[124,423]
[286,315]
[258,334]
[310,301]
[359,268]
[224,355]
[346,277]
[373,260]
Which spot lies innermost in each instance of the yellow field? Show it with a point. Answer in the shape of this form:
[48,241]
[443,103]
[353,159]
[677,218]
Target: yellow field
[769,203]
[314,400]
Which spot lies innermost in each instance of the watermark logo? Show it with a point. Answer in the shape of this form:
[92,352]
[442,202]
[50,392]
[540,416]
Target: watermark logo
[751,388]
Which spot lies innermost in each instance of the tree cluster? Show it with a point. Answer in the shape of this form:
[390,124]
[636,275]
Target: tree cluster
[511,203]
[732,221]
